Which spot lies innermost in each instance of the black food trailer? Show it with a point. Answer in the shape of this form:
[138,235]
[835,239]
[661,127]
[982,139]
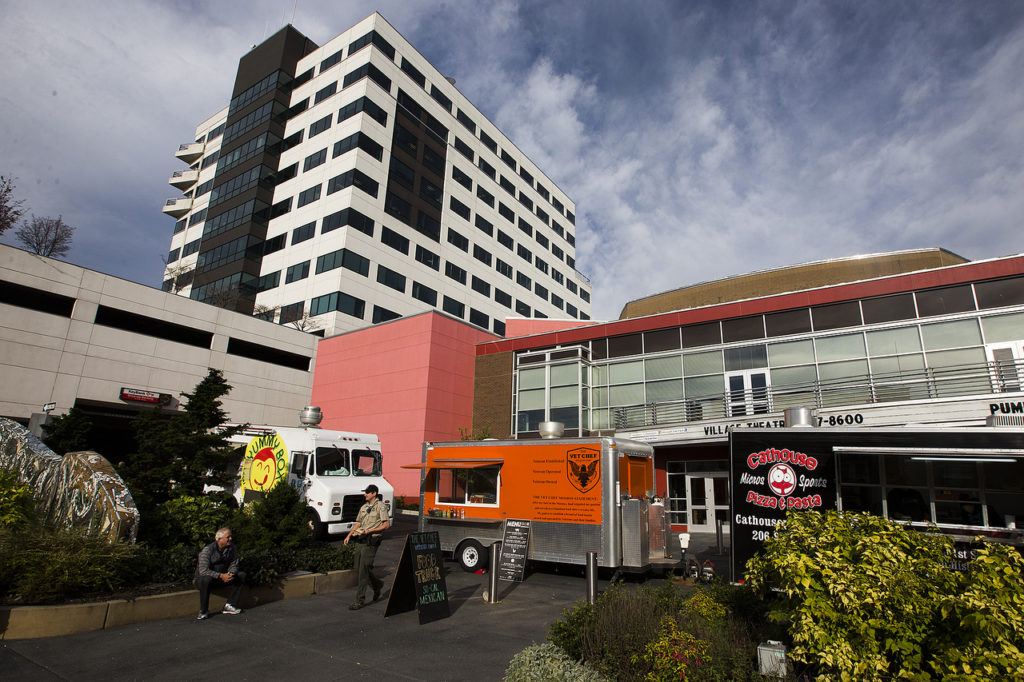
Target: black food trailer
[965,481]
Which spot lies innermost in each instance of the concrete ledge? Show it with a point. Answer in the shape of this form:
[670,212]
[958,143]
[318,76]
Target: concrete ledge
[155,607]
[334,581]
[30,622]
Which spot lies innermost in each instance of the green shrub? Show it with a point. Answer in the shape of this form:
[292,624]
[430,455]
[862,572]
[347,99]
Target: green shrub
[673,655]
[41,566]
[866,598]
[547,663]
[655,632]
[192,521]
[277,521]
[567,633]
[17,507]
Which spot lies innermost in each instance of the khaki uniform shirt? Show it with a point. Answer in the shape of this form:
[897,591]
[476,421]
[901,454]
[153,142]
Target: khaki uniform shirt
[372,514]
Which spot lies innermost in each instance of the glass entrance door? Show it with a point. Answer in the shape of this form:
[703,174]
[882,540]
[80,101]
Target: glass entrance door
[1007,366]
[747,392]
[708,501]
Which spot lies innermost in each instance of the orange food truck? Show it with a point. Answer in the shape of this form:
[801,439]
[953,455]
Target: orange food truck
[579,494]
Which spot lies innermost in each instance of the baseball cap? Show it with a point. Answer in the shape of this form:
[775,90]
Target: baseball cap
[371,489]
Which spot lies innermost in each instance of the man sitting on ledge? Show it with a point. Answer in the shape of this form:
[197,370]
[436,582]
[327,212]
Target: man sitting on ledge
[218,565]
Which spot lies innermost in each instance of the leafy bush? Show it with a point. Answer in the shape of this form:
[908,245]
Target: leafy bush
[672,654]
[547,663]
[192,520]
[277,521]
[45,566]
[654,632]
[17,508]
[867,598]
[567,633]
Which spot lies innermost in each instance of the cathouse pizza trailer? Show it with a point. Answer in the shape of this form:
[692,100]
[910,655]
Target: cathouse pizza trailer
[579,494]
[966,481]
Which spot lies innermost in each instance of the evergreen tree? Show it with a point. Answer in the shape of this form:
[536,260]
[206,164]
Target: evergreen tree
[181,454]
[69,432]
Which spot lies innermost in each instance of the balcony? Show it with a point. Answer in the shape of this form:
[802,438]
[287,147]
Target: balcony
[184,179]
[178,207]
[917,385]
[190,151]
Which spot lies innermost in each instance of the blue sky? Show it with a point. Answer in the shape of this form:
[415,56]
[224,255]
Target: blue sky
[699,139]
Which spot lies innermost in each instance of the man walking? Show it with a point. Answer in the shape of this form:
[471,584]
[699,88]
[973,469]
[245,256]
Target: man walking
[217,566]
[367,534]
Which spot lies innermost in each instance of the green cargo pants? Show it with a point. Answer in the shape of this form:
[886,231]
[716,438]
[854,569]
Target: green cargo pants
[364,556]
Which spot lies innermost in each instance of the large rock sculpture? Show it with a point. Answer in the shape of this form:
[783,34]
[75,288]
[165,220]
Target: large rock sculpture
[80,489]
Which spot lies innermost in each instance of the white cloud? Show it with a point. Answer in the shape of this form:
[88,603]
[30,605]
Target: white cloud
[697,142]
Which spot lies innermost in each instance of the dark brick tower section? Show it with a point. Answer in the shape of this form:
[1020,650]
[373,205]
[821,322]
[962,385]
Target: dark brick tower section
[492,395]
[241,200]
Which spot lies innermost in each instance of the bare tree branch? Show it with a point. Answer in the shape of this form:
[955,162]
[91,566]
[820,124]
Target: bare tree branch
[10,210]
[49,237]
[305,323]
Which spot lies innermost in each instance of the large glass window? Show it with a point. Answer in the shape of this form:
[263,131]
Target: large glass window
[478,486]
[951,334]
[845,347]
[894,341]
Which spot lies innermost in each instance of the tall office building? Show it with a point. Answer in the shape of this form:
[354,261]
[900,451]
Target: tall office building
[351,183]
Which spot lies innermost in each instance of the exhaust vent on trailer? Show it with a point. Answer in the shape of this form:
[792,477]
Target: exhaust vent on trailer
[310,416]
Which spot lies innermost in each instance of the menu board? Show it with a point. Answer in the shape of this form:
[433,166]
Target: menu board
[515,547]
[419,581]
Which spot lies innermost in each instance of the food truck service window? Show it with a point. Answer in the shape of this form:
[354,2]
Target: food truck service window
[477,486]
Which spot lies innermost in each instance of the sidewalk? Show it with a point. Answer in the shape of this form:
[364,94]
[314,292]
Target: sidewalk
[316,637]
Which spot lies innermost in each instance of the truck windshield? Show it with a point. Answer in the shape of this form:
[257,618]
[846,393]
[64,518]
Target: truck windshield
[366,463]
[332,461]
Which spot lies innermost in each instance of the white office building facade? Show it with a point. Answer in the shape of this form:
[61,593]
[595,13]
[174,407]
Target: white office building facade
[351,183]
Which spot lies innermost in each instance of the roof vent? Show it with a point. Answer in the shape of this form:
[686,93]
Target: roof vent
[311,416]
[551,429]
[798,416]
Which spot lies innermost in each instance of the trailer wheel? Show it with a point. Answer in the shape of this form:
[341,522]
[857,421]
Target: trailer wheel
[471,556]
[317,529]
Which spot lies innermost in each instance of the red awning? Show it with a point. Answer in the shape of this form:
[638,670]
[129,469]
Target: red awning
[456,464]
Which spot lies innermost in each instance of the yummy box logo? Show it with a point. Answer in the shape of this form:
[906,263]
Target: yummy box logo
[780,481]
[265,463]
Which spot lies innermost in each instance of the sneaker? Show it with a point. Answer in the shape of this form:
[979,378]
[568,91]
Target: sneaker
[231,610]
[203,615]
[356,606]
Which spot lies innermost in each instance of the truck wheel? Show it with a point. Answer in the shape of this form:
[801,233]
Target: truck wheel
[317,530]
[471,556]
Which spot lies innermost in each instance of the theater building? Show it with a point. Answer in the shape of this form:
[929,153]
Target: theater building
[922,338]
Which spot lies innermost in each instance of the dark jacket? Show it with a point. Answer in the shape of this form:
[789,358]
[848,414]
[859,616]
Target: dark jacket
[214,560]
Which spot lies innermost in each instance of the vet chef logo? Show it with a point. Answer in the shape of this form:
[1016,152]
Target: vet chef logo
[781,479]
[583,468]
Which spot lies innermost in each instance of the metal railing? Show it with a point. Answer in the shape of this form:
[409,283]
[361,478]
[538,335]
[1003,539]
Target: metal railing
[924,384]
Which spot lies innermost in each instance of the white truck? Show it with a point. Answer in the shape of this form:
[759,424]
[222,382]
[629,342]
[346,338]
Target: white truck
[330,468]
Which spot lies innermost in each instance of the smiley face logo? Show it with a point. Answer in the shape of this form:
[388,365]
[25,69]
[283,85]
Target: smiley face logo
[262,469]
[265,463]
[782,479]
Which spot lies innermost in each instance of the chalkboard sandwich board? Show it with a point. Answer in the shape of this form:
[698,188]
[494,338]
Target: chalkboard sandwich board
[419,581]
[515,547]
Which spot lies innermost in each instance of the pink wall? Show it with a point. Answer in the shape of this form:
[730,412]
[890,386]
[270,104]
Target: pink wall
[521,326]
[407,381]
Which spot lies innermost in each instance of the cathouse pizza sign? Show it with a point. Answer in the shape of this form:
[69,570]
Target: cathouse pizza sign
[769,479]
